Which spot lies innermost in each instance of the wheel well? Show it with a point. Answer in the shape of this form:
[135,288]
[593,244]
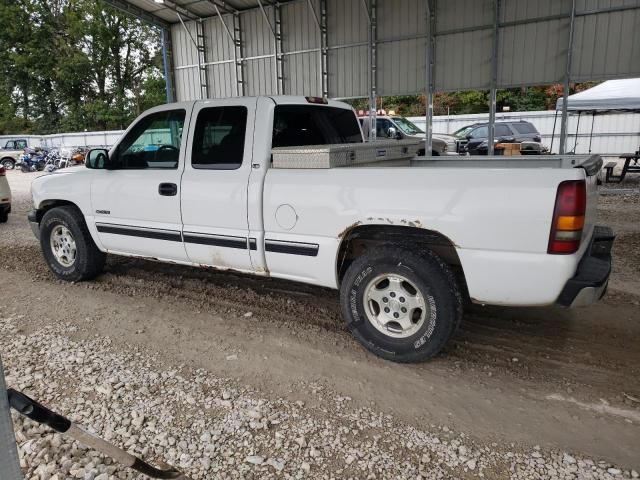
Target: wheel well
[8,158]
[361,238]
[47,205]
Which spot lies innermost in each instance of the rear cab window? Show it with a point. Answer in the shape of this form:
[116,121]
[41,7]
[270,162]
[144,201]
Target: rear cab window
[300,125]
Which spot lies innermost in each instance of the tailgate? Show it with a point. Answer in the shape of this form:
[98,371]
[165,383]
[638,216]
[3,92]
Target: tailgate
[591,167]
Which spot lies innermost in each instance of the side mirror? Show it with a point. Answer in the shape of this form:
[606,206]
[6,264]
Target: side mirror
[392,132]
[97,159]
[469,137]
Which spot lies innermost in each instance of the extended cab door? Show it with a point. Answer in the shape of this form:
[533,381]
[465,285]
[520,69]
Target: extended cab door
[214,184]
[136,203]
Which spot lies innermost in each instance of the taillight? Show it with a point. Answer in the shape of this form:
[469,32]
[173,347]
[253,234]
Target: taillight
[3,171]
[568,217]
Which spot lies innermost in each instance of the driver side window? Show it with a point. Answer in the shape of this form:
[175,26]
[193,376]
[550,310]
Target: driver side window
[154,142]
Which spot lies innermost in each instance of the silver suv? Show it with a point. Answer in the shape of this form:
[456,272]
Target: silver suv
[395,126]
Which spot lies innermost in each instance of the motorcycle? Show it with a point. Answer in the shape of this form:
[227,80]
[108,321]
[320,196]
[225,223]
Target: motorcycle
[32,161]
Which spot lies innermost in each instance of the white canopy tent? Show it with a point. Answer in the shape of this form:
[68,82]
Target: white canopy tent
[621,95]
[610,97]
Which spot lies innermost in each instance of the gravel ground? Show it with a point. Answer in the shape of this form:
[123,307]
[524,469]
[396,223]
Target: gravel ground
[227,376]
[211,427]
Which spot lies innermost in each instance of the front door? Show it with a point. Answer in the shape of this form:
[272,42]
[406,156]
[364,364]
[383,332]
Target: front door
[136,203]
[214,184]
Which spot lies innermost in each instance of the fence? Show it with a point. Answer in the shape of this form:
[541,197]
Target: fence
[81,139]
[613,133]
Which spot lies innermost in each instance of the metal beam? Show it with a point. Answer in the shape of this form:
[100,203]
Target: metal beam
[567,80]
[202,59]
[277,44]
[324,48]
[277,13]
[494,77]
[430,78]
[370,7]
[235,45]
[167,62]
[238,55]
[142,15]
[180,10]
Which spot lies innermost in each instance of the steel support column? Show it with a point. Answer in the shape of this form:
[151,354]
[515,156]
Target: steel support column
[202,59]
[567,80]
[494,78]
[324,48]
[233,36]
[373,107]
[167,62]
[277,13]
[277,44]
[238,56]
[430,78]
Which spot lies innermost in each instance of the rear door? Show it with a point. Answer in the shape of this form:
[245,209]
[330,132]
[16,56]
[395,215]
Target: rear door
[214,184]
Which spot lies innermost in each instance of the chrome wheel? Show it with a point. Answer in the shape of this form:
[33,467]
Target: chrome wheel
[8,164]
[394,305]
[63,246]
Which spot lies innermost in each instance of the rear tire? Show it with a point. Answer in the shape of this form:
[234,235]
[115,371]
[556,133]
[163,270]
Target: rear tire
[4,217]
[67,246]
[400,304]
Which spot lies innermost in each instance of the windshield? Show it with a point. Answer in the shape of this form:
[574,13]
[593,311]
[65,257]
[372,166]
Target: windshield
[463,132]
[406,126]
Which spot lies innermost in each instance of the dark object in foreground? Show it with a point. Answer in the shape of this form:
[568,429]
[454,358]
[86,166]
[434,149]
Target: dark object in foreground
[41,414]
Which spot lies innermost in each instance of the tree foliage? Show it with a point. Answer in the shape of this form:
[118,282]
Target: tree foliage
[475,101]
[78,65]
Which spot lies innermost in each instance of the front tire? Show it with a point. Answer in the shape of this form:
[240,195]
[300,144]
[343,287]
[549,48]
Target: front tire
[67,246]
[8,163]
[400,305]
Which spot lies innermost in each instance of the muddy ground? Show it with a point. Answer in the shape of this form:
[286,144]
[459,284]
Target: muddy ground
[519,378]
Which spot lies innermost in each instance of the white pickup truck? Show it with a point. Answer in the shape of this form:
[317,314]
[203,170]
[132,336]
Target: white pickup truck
[405,243]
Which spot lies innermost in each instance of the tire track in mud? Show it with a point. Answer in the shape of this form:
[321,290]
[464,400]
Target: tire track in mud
[488,340]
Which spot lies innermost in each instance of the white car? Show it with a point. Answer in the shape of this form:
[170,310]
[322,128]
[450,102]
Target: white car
[405,242]
[5,196]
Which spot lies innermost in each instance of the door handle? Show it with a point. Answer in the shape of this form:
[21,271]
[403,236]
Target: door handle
[168,189]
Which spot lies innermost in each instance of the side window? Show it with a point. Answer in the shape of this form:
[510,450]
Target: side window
[503,131]
[218,140]
[10,145]
[480,132]
[524,128]
[21,144]
[382,126]
[154,142]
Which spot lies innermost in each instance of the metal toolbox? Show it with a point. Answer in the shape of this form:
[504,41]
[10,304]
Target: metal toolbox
[344,154]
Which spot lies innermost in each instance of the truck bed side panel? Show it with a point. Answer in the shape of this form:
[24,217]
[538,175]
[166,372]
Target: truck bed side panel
[494,218]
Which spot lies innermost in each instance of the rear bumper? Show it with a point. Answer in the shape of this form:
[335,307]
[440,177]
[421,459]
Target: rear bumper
[589,284]
[33,222]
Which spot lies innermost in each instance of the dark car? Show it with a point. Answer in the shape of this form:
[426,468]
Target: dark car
[474,139]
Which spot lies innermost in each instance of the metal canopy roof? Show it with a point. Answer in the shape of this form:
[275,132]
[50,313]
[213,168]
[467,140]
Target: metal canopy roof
[166,12]
[372,48]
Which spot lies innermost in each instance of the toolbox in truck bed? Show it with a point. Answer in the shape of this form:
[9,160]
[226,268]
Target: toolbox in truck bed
[344,154]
